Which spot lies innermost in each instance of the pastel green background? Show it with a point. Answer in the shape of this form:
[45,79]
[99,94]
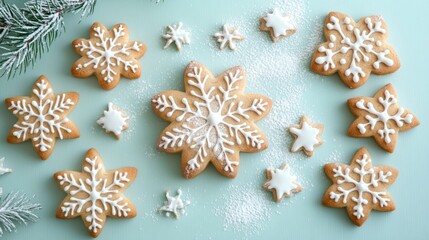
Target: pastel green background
[279,71]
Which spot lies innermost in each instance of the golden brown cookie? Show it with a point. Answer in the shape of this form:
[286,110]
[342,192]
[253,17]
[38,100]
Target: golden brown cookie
[212,121]
[359,187]
[42,117]
[279,25]
[380,117]
[354,50]
[307,136]
[95,193]
[281,182]
[108,54]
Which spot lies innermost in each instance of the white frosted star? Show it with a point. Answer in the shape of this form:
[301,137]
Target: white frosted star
[4,170]
[307,136]
[114,120]
[174,205]
[176,34]
[229,35]
[279,23]
[281,180]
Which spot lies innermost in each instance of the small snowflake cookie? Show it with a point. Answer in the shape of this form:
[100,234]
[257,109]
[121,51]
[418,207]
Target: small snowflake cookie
[108,54]
[354,50]
[177,35]
[3,169]
[359,187]
[281,182]
[174,205]
[42,117]
[307,136]
[95,193]
[114,120]
[212,121]
[229,36]
[380,117]
[279,25]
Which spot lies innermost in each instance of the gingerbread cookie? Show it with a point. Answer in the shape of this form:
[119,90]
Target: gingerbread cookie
[115,120]
[108,54]
[307,136]
[212,121]
[95,194]
[359,187]
[229,36]
[279,25]
[354,50]
[281,182]
[177,35]
[380,117]
[42,117]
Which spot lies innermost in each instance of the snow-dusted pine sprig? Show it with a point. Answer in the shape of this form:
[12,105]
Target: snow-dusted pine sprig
[16,208]
[27,32]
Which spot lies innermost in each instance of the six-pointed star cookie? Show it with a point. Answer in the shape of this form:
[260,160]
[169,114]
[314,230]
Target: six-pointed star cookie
[359,187]
[307,136]
[95,194]
[279,25]
[42,117]
[354,50]
[108,55]
[281,182]
[212,121]
[380,117]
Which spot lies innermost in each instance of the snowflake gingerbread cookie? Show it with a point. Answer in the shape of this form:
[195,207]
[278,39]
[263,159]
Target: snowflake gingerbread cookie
[380,117]
[279,25]
[95,193]
[212,121]
[229,36]
[42,117]
[174,205]
[177,35]
[281,182]
[114,120]
[354,50]
[359,187]
[108,54]
[307,136]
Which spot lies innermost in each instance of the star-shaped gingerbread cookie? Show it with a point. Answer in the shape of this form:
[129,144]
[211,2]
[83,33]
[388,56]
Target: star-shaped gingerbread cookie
[42,117]
[359,187]
[279,25]
[281,182]
[95,193]
[380,117]
[108,54]
[307,136]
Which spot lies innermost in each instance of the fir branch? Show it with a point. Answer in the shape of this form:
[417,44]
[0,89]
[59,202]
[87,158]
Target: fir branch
[16,208]
[26,33]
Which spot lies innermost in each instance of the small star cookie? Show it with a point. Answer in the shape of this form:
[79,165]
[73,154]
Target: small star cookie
[114,120]
[307,136]
[42,117]
[109,55]
[95,193]
[380,117]
[174,205]
[229,36]
[281,182]
[279,25]
[175,34]
[359,187]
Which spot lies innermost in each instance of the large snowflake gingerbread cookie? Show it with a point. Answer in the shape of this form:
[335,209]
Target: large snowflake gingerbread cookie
[354,50]
[380,117]
[108,55]
[95,193]
[359,187]
[212,121]
[42,117]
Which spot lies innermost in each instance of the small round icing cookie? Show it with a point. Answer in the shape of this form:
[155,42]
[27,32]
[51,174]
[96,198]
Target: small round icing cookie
[108,55]
[114,120]
[307,136]
[229,36]
[213,120]
[380,117]
[354,50]
[174,205]
[177,35]
[359,187]
[94,193]
[42,117]
[281,182]
[278,24]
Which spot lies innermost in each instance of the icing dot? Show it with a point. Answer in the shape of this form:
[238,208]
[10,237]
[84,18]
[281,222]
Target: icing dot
[332,37]
[379,43]
[347,20]
[331,45]
[350,27]
[343,61]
